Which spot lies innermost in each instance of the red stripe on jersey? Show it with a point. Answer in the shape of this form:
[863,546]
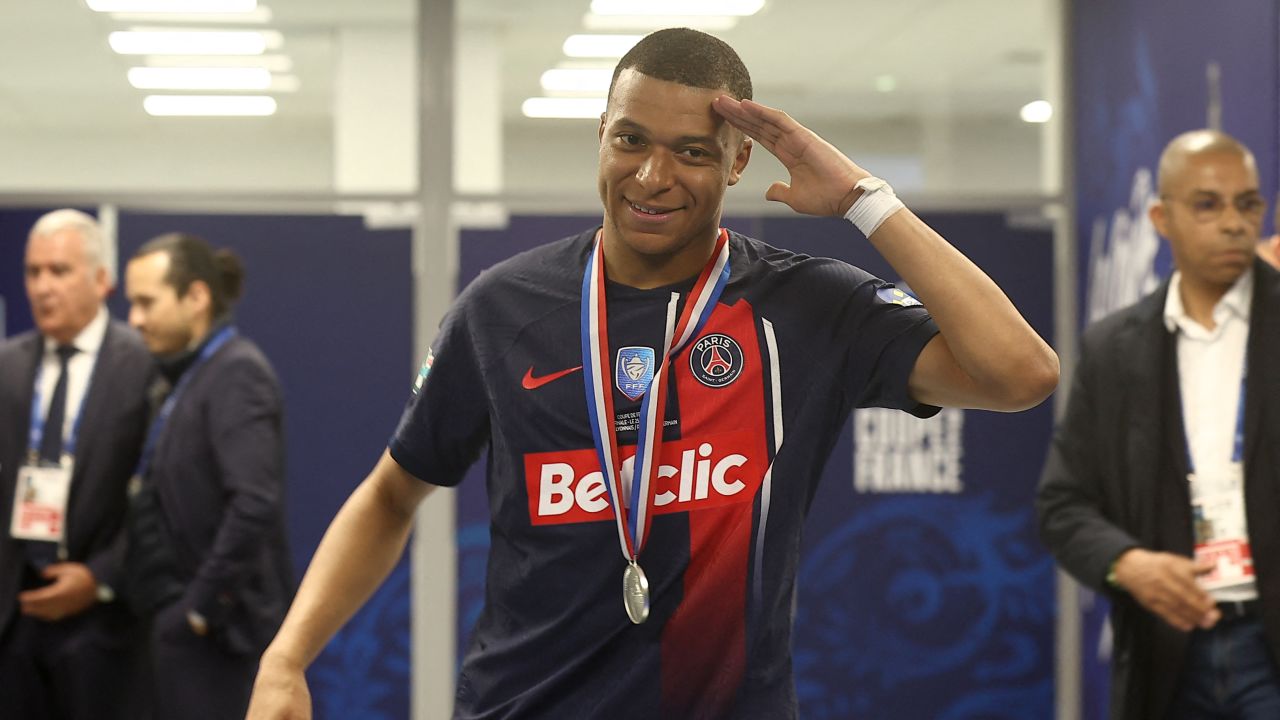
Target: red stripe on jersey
[704,642]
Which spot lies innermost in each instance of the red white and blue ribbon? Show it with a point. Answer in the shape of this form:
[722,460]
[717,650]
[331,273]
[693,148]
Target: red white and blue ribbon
[633,525]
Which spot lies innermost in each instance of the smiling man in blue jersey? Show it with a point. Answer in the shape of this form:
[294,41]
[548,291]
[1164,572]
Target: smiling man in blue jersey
[658,396]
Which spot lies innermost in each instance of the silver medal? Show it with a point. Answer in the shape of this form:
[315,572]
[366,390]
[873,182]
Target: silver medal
[635,593]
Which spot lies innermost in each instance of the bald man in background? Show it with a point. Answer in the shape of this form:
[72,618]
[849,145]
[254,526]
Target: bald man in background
[72,416]
[1161,483]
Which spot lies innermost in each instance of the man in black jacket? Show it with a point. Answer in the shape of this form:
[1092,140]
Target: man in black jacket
[1161,484]
[72,412]
[209,561]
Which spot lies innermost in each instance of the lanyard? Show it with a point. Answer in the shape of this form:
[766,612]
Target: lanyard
[633,525]
[38,419]
[1237,445]
[162,417]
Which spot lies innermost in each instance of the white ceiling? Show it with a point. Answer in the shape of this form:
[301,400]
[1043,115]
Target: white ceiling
[959,60]
[817,58]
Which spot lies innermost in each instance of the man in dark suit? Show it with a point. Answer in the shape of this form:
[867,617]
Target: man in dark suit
[208,554]
[72,417]
[1162,482]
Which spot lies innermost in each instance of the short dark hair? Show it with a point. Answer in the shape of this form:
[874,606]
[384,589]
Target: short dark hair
[191,259]
[687,57]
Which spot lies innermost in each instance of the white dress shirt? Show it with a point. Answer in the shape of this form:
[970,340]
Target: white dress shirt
[79,369]
[1211,364]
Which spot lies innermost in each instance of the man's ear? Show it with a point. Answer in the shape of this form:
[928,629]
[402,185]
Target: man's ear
[198,294]
[740,160]
[1159,215]
[600,131]
[101,283]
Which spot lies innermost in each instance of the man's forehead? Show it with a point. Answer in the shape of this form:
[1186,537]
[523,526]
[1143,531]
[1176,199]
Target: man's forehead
[1213,172]
[61,245]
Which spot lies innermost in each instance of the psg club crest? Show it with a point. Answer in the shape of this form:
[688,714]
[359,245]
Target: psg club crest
[716,360]
[634,371]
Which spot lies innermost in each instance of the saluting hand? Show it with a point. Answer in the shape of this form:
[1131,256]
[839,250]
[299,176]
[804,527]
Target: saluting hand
[1166,585]
[822,177]
[72,591]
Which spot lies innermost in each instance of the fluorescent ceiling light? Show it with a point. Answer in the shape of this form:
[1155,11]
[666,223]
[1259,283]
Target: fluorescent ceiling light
[1036,111]
[206,78]
[172,6]
[676,7]
[209,105]
[273,63]
[607,46]
[705,23]
[547,107]
[193,42]
[593,80]
[262,14]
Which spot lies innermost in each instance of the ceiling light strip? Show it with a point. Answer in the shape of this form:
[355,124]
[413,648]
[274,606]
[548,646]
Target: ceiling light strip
[192,42]
[209,105]
[173,6]
[738,8]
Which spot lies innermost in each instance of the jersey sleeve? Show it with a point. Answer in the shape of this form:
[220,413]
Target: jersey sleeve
[884,331]
[445,423]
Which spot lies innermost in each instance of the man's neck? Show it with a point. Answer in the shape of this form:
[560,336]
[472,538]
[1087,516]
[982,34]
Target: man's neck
[645,272]
[1199,300]
[68,336]
[199,331]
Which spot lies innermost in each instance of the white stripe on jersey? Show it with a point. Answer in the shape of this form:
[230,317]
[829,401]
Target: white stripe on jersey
[775,379]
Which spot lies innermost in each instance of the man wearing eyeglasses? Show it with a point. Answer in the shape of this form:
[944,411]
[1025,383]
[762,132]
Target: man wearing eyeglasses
[1163,478]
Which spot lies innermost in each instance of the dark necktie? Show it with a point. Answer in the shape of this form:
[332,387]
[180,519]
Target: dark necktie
[40,554]
[51,441]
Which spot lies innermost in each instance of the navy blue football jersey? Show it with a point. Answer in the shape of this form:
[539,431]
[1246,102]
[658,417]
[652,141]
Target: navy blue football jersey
[755,403]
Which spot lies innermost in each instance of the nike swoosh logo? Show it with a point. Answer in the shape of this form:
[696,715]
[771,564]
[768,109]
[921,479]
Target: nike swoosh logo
[533,383]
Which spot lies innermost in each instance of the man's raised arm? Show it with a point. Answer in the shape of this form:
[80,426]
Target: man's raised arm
[986,355]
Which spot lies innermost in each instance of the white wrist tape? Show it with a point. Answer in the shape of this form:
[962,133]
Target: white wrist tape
[874,206]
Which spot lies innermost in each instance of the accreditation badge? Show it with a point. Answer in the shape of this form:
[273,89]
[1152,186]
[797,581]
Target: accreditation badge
[1221,530]
[40,503]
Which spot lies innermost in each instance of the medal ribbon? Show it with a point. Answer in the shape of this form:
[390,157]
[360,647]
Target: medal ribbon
[633,525]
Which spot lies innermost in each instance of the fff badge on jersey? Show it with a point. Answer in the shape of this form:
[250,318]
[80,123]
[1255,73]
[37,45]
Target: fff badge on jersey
[634,371]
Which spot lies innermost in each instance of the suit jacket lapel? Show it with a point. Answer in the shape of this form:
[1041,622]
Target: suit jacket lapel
[26,389]
[95,405]
[1144,360]
[1264,344]
[1145,347]
[95,399]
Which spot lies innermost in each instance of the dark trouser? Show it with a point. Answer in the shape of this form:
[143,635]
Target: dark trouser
[193,677]
[1229,675]
[80,667]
